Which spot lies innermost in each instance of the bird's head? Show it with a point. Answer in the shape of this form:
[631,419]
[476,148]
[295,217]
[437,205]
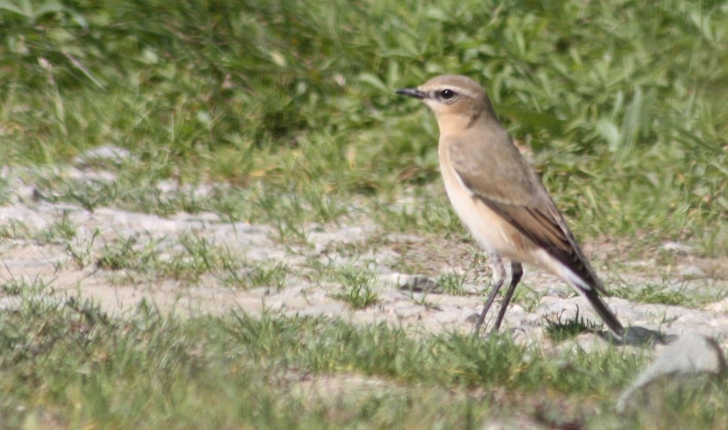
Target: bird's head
[453,98]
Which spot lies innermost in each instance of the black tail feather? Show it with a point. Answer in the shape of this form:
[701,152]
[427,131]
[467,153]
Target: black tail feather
[604,312]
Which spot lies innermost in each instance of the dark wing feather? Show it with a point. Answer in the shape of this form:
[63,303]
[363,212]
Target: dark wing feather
[548,233]
[496,173]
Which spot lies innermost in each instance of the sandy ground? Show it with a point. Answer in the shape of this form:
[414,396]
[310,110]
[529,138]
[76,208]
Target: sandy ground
[33,254]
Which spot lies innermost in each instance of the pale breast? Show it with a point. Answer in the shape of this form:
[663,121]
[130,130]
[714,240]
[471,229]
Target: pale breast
[491,231]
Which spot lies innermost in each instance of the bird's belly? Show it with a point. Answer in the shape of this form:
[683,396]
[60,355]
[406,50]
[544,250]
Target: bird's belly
[491,231]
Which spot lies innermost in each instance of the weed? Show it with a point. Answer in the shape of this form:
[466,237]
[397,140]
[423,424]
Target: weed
[358,286]
[560,330]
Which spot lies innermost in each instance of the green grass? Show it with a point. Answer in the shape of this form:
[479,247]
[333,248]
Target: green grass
[622,103]
[282,112]
[69,365]
[452,283]
[668,295]
[272,275]
[188,258]
[358,285]
[561,329]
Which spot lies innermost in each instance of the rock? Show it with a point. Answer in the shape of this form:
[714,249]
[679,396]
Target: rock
[23,217]
[407,311]
[416,283]
[693,272]
[720,307]
[513,423]
[448,317]
[331,309]
[676,247]
[345,235]
[472,318]
[471,288]
[14,303]
[404,238]
[276,306]
[691,355]
[110,153]
[24,193]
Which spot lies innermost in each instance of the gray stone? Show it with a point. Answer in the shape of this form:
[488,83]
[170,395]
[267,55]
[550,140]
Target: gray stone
[24,216]
[514,423]
[692,354]
[322,239]
[14,303]
[408,311]
[718,307]
[331,309]
[390,296]
[693,272]
[677,247]
[110,153]
[276,306]
[448,317]
[417,283]
[404,238]
[471,288]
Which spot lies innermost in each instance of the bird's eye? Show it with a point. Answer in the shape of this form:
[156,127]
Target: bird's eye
[447,94]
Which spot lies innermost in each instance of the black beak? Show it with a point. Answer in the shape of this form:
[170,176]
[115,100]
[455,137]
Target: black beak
[411,92]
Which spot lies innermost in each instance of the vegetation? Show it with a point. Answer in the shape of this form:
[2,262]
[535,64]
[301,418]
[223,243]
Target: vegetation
[623,104]
[284,110]
[69,365]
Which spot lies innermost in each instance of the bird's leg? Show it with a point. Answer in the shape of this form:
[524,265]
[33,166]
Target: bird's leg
[499,276]
[516,274]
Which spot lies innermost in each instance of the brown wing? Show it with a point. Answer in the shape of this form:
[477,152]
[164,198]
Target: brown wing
[510,187]
[496,173]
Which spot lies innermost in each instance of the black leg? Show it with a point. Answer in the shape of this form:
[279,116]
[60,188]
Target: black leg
[499,276]
[516,274]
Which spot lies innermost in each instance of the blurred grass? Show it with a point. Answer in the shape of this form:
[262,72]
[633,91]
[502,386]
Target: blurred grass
[624,104]
[68,364]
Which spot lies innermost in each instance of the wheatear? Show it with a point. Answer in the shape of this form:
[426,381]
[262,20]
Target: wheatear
[499,197]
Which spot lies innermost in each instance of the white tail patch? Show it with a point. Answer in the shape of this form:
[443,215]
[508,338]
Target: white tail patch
[574,279]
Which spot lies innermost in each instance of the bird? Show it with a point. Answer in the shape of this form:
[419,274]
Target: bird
[499,197]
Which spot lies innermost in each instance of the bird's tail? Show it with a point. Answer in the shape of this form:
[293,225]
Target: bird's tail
[591,290]
[604,312]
